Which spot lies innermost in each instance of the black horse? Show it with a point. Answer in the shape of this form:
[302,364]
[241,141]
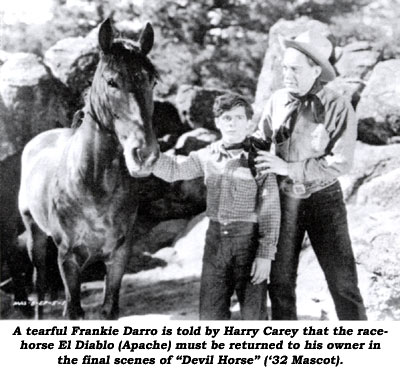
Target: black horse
[77,185]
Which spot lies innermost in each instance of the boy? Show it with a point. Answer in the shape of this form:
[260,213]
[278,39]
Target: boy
[244,214]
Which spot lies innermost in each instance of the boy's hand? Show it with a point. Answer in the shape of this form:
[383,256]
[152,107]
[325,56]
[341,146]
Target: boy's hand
[260,270]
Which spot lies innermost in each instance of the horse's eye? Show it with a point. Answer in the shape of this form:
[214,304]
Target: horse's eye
[112,83]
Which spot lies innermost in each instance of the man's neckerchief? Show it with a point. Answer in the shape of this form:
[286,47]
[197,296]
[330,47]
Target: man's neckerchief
[295,105]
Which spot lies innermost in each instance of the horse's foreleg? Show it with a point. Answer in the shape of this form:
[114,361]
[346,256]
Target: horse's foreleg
[37,249]
[115,270]
[70,274]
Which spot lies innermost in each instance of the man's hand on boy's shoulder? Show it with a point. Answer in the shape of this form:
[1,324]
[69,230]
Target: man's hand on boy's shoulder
[260,270]
[270,163]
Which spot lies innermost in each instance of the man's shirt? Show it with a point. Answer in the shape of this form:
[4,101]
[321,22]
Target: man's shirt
[232,192]
[314,163]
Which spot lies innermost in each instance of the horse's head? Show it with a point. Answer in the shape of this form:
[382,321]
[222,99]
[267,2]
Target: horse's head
[122,96]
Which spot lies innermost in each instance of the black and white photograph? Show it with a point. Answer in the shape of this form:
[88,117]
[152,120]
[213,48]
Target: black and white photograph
[200,160]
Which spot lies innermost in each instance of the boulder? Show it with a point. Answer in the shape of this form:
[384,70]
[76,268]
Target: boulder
[160,200]
[195,193]
[375,236]
[195,140]
[190,246]
[183,199]
[73,61]
[374,218]
[4,56]
[349,88]
[369,163]
[383,191]
[160,236]
[173,63]
[167,142]
[149,189]
[31,101]
[379,107]
[357,60]
[165,254]
[8,147]
[166,120]
[167,124]
[186,258]
[271,73]
[195,106]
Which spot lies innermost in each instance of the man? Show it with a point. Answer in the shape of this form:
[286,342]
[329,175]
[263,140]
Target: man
[314,131]
[244,215]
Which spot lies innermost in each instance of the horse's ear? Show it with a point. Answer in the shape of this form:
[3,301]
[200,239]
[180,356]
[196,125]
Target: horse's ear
[106,36]
[146,39]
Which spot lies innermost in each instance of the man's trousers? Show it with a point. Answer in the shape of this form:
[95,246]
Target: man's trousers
[323,216]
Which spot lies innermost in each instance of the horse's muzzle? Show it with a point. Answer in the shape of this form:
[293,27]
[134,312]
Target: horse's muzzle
[143,160]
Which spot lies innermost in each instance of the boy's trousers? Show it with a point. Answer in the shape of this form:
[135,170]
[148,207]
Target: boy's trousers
[229,253]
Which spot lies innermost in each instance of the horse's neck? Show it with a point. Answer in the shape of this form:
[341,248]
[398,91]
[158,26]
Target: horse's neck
[95,156]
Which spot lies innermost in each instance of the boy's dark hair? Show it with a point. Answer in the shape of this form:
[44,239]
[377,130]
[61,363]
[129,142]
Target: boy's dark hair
[228,101]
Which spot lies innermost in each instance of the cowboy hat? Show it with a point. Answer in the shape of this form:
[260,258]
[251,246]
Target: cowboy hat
[315,46]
